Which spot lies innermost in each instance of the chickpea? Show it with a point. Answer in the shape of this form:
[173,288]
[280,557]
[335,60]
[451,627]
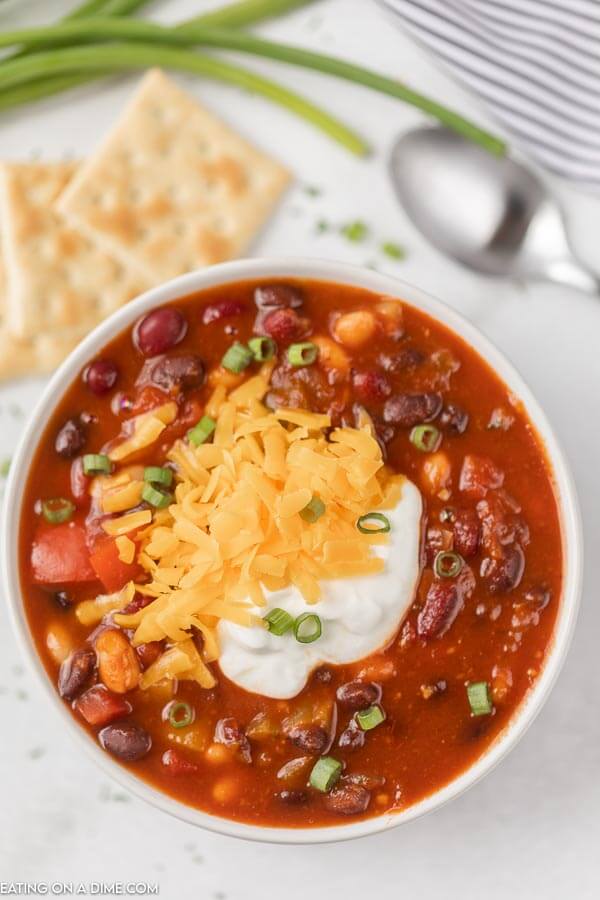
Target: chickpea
[217,754]
[225,790]
[331,355]
[354,329]
[58,642]
[117,661]
[437,472]
[390,313]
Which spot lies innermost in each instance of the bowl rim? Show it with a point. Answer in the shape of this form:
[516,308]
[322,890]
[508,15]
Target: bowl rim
[351,275]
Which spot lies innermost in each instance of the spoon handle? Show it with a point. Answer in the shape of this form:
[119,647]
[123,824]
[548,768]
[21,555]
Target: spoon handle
[574,274]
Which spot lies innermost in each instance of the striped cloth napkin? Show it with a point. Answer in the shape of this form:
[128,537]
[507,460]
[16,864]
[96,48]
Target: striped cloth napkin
[535,63]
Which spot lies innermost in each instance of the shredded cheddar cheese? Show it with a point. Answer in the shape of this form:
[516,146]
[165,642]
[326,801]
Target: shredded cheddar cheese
[235,529]
[145,429]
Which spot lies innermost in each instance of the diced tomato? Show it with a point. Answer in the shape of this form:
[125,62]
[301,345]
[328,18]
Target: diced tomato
[99,706]
[176,764]
[59,555]
[112,572]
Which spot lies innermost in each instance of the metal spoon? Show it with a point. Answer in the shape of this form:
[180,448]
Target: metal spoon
[489,213]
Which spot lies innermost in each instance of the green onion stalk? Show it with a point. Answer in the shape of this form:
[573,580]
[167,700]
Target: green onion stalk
[153,40]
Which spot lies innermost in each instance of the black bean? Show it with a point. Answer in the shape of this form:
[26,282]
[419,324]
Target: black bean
[538,597]
[71,438]
[503,575]
[184,372]
[323,675]
[408,358]
[454,419]
[407,410]
[126,740]
[310,738]
[229,733]
[278,296]
[74,672]
[62,599]
[348,800]
[292,798]
[353,737]
[358,694]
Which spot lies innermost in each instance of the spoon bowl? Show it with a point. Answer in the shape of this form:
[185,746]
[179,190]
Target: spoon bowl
[489,213]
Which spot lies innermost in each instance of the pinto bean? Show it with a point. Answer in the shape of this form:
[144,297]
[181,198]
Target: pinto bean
[357,694]
[117,661]
[407,410]
[467,532]
[310,738]
[172,372]
[348,800]
[126,740]
[504,574]
[74,672]
[454,419]
[278,296]
[71,438]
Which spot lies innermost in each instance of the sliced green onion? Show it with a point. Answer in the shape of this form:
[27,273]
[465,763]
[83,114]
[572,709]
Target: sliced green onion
[96,464]
[447,564]
[426,438]
[57,510]
[480,698]
[303,354]
[279,621]
[237,358]
[325,773]
[262,348]
[153,496]
[370,718]
[158,475]
[202,431]
[382,527]
[180,715]
[307,628]
[313,510]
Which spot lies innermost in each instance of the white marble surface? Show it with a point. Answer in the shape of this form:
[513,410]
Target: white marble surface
[531,828]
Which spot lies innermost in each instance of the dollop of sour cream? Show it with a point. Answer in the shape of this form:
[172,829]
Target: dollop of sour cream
[359,615]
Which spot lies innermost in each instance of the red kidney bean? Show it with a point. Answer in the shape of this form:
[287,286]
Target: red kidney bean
[99,706]
[310,738]
[225,309]
[504,574]
[71,438]
[436,540]
[101,376]
[445,599]
[407,410]
[177,372]
[149,653]
[74,672]
[371,386]
[278,296]
[138,602]
[348,800]
[323,674]
[285,325]
[454,419]
[292,798]
[176,764]
[126,740]
[352,737]
[408,358]
[467,532]
[80,483]
[229,733]
[159,330]
[357,695]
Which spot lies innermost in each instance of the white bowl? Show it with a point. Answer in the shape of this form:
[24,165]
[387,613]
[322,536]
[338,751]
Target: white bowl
[343,274]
